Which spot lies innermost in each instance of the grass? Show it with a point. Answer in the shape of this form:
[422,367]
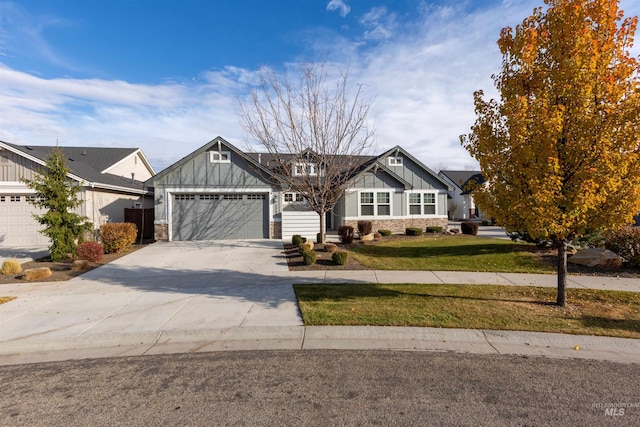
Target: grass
[451,253]
[6,299]
[590,312]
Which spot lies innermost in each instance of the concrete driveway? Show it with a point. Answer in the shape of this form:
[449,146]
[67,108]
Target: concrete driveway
[174,286]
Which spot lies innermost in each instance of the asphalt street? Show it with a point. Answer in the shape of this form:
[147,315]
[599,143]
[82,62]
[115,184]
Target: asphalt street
[320,388]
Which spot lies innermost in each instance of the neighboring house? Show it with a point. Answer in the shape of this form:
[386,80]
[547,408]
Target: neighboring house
[461,202]
[220,192]
[111,179]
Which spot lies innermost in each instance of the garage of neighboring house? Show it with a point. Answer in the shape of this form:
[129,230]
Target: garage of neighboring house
[17,225]
[209,216]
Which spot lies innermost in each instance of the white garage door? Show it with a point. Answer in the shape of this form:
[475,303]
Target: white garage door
[17,225]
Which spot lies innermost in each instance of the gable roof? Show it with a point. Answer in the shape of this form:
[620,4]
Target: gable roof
[397,149]
[217,141]
[459,178]
[86,164]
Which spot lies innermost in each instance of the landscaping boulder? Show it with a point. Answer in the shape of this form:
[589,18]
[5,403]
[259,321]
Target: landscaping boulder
[596,257]
[367,237]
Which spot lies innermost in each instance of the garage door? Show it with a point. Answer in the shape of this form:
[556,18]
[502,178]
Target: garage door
[219,216]
[17,226]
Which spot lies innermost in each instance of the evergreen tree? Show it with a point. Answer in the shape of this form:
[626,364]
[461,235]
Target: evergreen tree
[59,197]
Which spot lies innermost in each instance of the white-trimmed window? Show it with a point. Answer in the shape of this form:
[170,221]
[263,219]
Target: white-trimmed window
[395,161]
[375,203]
[291,197]
[305,169]
[422,204]
[219,157]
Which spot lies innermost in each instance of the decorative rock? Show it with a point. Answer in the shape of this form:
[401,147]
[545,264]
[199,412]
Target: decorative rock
[596,257]
[367,237]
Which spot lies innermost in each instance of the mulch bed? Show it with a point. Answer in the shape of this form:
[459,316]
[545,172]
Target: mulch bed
[323,262]
[61,271]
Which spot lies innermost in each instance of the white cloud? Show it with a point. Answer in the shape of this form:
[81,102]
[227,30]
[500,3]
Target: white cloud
[379,23]
[339,5]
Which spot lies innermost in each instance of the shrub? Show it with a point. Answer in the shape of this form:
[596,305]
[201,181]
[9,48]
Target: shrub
[330,247]
[625,242]
[339,257]
[469,227]
[36,273]
[364,228]
[413,231]
[80,265]
[117,236]
[385,232]
[434,230]
[11,266]
[296,239]
[346,233]
[377,236]
[91,251]
[309,257]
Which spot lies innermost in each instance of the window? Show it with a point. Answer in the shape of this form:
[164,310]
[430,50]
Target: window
[184,197]
[290,197]
[305,169]
[209,197]
[219,157]
[395,161]
[2,198]
[422,203]
[15,198]
[375,203]
[255,197]
[384,204]
[232,197]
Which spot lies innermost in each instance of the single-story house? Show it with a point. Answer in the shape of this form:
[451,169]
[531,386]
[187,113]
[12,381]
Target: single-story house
[112,179]
[221,192]
[461,204]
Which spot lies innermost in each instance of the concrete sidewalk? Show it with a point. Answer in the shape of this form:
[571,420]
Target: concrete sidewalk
[178,297]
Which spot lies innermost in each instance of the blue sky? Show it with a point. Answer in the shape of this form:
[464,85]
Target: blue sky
[167,76]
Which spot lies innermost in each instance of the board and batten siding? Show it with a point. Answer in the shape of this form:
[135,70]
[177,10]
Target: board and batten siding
[14,167]
[414,174]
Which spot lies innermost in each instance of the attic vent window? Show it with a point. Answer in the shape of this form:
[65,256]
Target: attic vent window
[219,157]
[395,161]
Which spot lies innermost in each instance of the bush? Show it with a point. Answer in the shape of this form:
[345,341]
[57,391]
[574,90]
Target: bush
[377,236]
[91,251]
[625,242]
[330,247]
[364,228]
[385,232]
[117,236]
[296,239]
[413,231]
[434,230]
[525,237]
[80,265]
[346,233]
[11,266]
[339,257]
[309,257]
[469,227]
[36,274]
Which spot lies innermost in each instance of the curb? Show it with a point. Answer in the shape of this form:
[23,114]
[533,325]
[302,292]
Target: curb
[620,350]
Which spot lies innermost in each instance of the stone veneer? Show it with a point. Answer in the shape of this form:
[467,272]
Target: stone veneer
[161,232]
[275,231]
[400,225]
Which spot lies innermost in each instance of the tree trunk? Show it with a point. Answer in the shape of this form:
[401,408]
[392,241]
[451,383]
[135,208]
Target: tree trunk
[562,273]
[322,227]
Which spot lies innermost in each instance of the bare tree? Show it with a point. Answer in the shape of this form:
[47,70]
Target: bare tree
[314,129]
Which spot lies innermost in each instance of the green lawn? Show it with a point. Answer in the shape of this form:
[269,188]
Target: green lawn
[590,312]
[454,253]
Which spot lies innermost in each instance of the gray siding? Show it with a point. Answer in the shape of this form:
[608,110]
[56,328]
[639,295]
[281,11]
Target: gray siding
[380,180]
[416,175]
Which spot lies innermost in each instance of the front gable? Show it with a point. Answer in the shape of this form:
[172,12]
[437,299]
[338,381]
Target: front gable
[217,164]
[411,170]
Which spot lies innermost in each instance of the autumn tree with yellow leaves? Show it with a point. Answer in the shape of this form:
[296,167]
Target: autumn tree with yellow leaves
[560,149]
